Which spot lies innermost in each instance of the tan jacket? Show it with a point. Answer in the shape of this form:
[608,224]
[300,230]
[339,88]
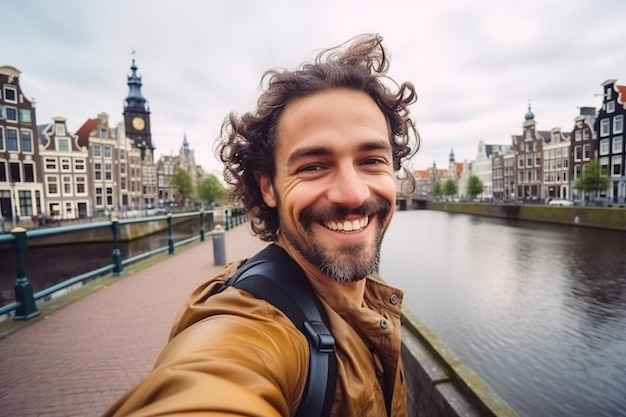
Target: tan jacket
[237,355]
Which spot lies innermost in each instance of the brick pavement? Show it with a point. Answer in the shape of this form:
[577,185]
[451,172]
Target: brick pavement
[77,361]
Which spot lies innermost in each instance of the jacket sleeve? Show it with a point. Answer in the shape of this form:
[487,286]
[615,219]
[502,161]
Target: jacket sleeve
[244,359]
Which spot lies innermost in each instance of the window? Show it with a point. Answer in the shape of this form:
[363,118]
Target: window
[610,106]
[3,171]
[617,166]
[65,164]
[29,172]
[618,144]
[577,171]
[1,138]
[27,141]
[97,150]
[67,185]
[605,127]
[586,152]
[10,113]
[51,164]
[604,165]
[59,129]
[123,183]
[63,145]
[109,196]
[586,134]
[103,133]
[604,147]
[618,124]
[80,185]
[26,203]
[53,185]
[12,140]
[98,196]
[578,136]
[108,175]
[25,116]
[79,165]
[98,171]
[14,172]
[107,151]
[10,94]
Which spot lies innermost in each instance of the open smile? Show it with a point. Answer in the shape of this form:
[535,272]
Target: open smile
[347,225]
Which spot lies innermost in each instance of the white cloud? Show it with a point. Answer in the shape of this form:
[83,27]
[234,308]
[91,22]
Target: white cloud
[475,64]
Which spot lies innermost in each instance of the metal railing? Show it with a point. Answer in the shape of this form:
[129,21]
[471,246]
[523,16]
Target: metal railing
[25,304]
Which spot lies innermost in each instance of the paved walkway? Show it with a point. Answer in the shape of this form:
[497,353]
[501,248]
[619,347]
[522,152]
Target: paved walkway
[80,359]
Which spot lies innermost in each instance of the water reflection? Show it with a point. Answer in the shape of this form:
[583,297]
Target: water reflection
[538,310]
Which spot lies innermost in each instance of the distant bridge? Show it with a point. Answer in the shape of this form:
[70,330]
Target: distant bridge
[411,202]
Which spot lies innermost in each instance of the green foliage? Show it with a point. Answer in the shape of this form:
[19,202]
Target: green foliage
[437,189]
[210,189]
[449,187]
[592,178]
[181,180]
[474,186]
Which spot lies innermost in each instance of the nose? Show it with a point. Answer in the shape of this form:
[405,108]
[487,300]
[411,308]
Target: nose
[348,187]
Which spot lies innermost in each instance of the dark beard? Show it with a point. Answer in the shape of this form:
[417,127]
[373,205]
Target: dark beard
[348,264]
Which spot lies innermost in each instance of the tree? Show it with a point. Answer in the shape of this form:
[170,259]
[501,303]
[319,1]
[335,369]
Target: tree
[449,187]
[181,180]
[474,186]
[592,178]
[437,189]
[210,190]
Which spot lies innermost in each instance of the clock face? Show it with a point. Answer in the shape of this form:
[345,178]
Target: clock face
[138,123]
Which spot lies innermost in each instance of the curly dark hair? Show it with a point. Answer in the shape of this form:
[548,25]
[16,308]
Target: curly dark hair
[247,143]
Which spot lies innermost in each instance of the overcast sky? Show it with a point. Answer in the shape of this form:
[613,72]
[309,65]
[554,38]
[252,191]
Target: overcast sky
[475,63]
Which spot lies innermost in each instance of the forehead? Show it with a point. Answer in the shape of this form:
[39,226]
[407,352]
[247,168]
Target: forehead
[333,118]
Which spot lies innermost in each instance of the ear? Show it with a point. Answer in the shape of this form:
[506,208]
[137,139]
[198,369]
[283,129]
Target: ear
[267,189]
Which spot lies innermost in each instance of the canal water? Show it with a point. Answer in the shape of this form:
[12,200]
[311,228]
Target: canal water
[537,310]
[50,265]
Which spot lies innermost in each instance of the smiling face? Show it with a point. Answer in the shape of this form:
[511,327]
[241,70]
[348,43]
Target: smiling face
[334,186]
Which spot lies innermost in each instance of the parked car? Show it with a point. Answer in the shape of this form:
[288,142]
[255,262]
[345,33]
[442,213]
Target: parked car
[561,202]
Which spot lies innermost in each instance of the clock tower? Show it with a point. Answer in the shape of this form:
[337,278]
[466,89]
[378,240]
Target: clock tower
[137,114]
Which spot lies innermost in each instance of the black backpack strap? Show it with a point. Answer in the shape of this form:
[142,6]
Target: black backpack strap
[273,276]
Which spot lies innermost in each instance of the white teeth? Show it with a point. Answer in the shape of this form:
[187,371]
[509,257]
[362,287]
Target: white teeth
[348,226]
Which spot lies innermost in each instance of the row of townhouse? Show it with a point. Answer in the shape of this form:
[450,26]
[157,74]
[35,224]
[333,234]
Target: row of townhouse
[540,165]
[99,169]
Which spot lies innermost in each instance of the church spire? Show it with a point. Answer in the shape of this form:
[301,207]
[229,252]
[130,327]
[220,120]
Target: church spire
[135,100]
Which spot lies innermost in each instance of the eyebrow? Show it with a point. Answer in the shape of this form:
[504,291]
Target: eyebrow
[311,151]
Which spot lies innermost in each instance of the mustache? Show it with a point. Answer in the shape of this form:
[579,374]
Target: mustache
[339,212]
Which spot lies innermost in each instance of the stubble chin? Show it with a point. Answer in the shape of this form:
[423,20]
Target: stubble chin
[345,262]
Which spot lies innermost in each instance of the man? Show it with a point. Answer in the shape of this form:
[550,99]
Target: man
[314,166]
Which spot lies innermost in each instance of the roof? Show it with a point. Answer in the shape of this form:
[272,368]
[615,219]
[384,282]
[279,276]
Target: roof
[85,130]
[421,174]
[621,90]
